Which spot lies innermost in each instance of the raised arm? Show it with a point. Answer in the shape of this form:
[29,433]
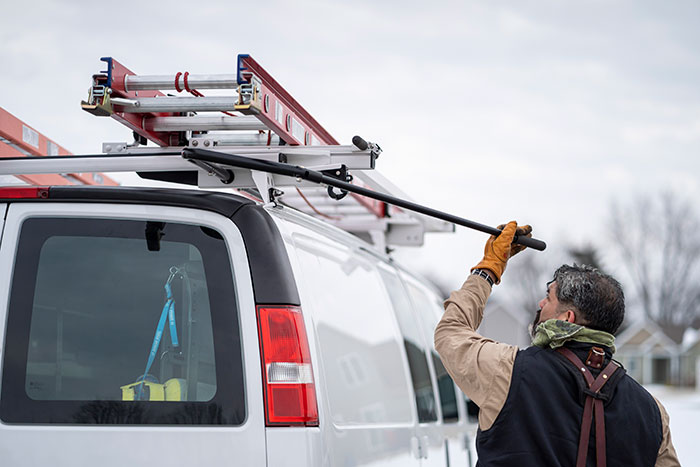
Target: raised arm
[481,367]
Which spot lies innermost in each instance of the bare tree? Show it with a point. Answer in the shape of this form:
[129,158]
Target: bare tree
[586,254]
[659,245]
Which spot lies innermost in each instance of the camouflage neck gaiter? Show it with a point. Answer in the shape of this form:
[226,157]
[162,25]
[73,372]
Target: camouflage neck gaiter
[553,333]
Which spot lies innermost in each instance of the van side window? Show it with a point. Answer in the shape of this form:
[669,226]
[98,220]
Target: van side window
[472,410]
[357,336]
[415,348]
[114,322]
[429,308]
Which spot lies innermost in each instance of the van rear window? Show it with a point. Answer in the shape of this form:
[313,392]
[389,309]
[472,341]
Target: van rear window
[118,322]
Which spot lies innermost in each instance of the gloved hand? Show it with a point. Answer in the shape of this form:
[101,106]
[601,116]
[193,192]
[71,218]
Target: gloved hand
[499,249]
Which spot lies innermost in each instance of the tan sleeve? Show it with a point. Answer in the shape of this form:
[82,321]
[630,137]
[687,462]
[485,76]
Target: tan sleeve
[481,367]
[667,456]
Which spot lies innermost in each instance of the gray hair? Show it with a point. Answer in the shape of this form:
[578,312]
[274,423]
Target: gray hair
[597,297]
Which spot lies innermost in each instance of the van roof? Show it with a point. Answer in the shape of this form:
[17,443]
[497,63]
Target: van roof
[221,203]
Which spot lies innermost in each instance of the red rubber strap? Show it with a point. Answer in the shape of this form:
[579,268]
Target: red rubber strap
[187,85]
[177,81]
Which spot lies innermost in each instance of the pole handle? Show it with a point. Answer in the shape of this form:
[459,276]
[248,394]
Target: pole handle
[530,242]
[360,143]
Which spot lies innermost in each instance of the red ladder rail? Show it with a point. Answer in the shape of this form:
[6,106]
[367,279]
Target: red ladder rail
[19,139]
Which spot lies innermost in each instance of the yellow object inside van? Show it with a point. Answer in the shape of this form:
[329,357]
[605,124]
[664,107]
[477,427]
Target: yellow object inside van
[173,389]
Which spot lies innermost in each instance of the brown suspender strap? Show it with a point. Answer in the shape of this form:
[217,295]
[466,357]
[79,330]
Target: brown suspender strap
[599,432]
[585,433]
[592,404]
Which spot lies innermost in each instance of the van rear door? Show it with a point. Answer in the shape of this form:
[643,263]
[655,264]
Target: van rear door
[123,342]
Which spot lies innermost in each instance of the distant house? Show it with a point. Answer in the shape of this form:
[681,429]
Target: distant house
[690,359]
[649,355]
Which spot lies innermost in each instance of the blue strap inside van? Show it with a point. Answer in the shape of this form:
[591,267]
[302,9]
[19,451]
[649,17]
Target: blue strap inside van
[168,314]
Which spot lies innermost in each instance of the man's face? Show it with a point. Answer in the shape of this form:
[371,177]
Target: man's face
[550,308]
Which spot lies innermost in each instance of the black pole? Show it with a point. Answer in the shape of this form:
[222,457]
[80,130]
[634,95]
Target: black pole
[318,177]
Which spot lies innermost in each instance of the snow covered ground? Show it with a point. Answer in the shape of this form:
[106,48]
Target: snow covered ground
[683,406]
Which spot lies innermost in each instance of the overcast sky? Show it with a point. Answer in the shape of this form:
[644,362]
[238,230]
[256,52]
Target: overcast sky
[540,111]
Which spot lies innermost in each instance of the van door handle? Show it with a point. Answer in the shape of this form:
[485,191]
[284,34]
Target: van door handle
[415,447]
[425,444]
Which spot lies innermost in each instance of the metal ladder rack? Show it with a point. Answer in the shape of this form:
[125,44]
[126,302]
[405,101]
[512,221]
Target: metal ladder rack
[137,102]
[258,120]
[261,120]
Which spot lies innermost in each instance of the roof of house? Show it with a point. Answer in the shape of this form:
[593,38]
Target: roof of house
[645,335]
[674,331]
[691,339]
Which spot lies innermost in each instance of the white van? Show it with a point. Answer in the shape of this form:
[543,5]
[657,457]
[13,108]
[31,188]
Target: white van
[166,327]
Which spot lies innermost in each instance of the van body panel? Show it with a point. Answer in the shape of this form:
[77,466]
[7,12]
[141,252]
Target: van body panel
[294,447]
[360,423]
[460,443]
[120,445]
[437,443]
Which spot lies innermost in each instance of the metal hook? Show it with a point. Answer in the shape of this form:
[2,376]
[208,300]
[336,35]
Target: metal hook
[174,270]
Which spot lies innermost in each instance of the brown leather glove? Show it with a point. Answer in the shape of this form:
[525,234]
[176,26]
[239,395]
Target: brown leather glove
[499,249]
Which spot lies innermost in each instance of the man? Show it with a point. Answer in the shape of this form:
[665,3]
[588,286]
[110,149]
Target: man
[533,402]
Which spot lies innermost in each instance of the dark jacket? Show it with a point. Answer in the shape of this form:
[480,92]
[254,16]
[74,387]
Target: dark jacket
[540,422]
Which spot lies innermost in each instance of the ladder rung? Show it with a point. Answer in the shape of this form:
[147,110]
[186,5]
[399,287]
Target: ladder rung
[175,104]
[246,139]
[203,123]
[167,82]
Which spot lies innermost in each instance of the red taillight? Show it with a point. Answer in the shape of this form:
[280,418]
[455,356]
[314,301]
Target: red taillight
[290,394]
[18,192]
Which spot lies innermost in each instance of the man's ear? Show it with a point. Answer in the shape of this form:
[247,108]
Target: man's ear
[568,315]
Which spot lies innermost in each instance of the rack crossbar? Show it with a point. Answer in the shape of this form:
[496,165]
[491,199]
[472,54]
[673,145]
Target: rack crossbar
[147,159]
